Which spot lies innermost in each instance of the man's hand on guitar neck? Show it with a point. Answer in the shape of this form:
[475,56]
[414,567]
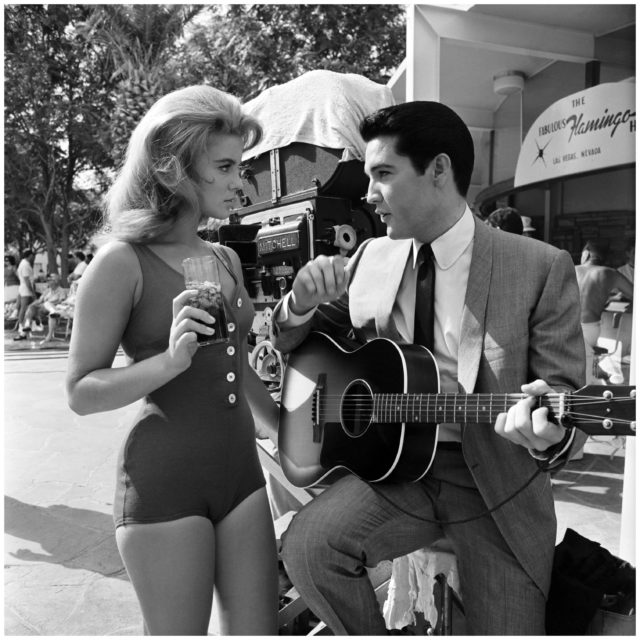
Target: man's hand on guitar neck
[320,280]
[528,428]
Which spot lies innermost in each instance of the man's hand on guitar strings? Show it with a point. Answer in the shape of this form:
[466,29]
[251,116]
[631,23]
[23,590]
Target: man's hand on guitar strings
[323,279]
[530,429]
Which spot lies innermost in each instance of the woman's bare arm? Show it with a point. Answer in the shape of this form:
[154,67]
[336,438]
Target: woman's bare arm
[108,290]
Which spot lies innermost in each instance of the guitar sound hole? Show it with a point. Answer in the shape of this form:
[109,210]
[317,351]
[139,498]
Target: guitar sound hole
[356,409]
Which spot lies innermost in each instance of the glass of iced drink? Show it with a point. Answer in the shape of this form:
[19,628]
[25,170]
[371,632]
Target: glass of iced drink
[201,274]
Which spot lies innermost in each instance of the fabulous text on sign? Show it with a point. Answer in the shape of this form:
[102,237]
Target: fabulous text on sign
[578,127]
[587,131]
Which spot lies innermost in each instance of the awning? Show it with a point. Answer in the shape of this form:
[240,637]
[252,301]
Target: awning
[587,131]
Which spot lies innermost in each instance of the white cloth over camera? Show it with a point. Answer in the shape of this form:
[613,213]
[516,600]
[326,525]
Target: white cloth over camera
[322,108]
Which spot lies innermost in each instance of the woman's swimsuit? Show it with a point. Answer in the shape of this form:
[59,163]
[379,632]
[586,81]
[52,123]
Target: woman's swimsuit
[192,449]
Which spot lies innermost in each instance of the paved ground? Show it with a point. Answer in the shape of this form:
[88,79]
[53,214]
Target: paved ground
[63,574]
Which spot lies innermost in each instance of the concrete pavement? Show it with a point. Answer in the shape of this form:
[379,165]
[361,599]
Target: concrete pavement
[63,574]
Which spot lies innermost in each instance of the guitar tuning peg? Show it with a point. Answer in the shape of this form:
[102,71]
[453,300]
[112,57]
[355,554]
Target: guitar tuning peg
[607,424]
[632,426]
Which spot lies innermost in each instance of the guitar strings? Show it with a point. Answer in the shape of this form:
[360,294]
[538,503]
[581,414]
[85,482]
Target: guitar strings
[407,403]
[488,394]
[336,413]
[577,422]
[586,417]
[351,409]
[575,418]
[353,406]
[474,396]
[410,407]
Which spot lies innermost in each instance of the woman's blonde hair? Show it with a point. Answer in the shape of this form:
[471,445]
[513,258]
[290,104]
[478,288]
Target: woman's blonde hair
[157,178]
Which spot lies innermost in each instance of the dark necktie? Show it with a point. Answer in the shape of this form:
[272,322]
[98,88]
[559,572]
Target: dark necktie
[425,285]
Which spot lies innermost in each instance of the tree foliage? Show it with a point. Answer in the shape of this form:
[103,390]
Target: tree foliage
[245,49]
[140,41]
[78,78]
[53,107]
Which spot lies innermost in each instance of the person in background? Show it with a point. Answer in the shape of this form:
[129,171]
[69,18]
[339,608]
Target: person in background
[10,272]
[191,510]
[72,262]
[507,219]
[506,319]
[80,267]
[26,290]
[528,230]
[597,283]
[11,286]
[45,305]
[628,268]
[66,308]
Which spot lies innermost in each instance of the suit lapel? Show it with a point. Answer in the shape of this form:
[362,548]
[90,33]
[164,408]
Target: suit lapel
[475,306]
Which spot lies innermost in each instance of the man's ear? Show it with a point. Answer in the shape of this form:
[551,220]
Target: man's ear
[441,165]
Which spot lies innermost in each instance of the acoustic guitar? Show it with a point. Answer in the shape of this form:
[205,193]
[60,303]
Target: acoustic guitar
[373,410]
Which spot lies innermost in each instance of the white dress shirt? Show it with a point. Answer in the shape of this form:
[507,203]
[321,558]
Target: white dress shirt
[452,258]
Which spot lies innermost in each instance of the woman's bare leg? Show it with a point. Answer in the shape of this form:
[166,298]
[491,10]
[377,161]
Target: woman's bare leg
[171,566]
[247,569]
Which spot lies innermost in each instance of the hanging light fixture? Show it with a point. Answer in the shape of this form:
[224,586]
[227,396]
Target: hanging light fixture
[508,82]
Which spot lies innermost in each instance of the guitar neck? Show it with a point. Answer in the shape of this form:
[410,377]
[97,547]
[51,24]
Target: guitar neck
[452,407]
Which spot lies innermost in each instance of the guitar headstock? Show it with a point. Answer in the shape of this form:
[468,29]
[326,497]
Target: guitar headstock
[601,411]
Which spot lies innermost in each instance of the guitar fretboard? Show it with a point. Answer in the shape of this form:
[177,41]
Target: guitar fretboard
[450,407]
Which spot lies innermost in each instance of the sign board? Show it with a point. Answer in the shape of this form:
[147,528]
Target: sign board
[586,131]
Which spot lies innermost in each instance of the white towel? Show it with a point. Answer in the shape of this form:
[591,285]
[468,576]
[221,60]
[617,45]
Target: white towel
[411,586]
[320,107]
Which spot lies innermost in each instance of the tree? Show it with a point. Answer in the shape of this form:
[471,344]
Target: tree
[55,102]
[79,77]
[140,40]
[244,49]
[77,80]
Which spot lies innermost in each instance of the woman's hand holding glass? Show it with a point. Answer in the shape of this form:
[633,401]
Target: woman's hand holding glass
[187,322]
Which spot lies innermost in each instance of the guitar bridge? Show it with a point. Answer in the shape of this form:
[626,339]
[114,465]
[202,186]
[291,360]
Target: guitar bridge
[315,407]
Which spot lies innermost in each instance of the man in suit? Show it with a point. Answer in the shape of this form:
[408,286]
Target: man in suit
[506,318]
[506,219]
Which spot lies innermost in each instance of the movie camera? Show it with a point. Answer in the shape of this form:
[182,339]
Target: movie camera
[298,202]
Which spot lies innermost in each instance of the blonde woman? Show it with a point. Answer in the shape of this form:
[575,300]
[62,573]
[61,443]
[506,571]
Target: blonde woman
[191,510]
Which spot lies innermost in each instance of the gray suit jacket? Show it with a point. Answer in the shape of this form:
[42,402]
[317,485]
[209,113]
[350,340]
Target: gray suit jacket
[521,321]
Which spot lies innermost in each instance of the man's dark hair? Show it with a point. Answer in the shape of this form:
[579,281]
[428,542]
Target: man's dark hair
[79,254]
[422,130]
[597,252]
[507,219]
[27,253]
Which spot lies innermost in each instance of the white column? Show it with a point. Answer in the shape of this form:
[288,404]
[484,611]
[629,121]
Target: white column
[628,514]
[423,57]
